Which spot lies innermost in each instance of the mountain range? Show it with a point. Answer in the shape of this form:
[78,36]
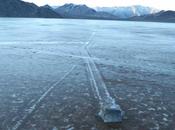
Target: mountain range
[133,13]
[18,8]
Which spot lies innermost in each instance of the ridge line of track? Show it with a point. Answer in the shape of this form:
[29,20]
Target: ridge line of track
[100,88]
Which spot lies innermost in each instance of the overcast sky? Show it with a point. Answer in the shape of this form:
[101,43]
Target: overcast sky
[159,4]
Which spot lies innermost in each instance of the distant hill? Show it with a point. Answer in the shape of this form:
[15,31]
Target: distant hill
[162,16]
[82,11]
[127,12]
[18,8]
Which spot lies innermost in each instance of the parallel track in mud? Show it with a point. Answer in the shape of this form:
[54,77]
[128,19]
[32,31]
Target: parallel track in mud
[99,85]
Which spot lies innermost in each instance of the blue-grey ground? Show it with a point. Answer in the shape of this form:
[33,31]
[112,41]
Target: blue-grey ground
[136,61]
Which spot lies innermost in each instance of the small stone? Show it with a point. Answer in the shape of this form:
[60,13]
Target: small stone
[165,119]
[54,128]
[151,109]
[165,115]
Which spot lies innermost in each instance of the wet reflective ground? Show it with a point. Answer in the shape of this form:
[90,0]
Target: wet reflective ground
[45,85]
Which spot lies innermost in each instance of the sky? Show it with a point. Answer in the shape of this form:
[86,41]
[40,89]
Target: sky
[159,4]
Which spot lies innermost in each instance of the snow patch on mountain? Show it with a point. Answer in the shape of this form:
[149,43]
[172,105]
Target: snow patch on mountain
[127,12]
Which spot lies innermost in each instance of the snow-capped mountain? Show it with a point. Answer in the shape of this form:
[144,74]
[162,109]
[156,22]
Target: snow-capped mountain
[127,12]
[82,11]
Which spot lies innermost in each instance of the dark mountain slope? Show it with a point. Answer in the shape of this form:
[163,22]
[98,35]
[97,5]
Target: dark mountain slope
[18,8]
[162,16]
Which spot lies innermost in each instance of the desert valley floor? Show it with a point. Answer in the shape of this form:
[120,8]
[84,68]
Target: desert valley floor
[45,83]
